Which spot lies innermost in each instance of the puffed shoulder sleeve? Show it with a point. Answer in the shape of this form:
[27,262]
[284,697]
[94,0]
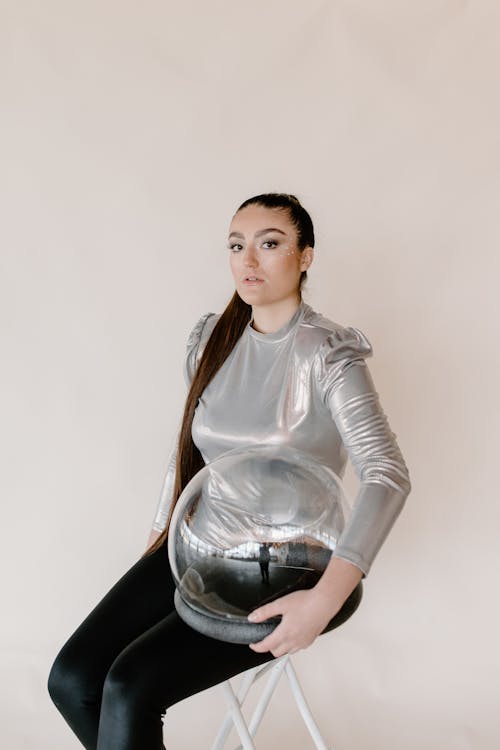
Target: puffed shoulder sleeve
[195,342]
[347,390]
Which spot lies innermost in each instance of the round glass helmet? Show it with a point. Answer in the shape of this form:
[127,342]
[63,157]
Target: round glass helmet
[253,525]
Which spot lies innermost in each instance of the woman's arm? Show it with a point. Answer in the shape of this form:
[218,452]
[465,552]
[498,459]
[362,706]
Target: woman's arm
[348,391]
[306,613]
[191,357]
[163,507]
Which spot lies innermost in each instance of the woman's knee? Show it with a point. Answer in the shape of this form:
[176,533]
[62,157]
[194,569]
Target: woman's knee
[130,715]
[68,681]
[127,688]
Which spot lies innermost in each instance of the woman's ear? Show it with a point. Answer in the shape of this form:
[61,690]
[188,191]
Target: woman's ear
[306,257]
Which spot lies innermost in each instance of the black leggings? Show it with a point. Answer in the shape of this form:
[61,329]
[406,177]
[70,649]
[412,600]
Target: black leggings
[133,657]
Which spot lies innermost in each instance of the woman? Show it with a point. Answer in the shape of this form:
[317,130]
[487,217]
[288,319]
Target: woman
[267,369]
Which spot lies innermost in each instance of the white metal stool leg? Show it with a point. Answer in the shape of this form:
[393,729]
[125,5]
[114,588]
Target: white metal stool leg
[271,684]
[238,718]
[244,687]
[235,701]
[304,709]
[247,680]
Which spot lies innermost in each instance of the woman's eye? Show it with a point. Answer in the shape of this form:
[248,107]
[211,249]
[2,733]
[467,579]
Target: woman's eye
[235,247]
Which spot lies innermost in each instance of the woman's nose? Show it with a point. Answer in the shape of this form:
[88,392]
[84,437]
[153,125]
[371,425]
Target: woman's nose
[250,257]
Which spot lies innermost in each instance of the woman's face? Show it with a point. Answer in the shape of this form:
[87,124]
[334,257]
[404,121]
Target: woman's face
[262,243]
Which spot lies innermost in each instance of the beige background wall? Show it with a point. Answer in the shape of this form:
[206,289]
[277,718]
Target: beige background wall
[129,134]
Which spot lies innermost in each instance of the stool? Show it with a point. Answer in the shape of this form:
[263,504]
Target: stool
[246,632]
[277,667]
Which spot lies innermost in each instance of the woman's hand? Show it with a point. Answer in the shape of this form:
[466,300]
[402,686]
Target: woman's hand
[306,613]
[153,536]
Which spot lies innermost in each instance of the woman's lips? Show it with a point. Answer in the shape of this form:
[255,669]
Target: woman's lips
[252,282]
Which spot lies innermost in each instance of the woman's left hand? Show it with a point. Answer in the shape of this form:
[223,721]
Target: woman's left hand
[305,614]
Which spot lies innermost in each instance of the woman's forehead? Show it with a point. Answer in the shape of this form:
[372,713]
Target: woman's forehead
[248,221]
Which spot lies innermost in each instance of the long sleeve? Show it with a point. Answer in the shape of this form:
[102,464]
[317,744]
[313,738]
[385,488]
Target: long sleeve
[160,519]
[348,391]
[192,355]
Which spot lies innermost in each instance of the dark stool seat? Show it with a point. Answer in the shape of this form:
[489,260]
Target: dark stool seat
[233,630]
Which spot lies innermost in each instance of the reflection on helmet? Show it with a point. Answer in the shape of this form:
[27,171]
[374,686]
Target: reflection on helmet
[253,525]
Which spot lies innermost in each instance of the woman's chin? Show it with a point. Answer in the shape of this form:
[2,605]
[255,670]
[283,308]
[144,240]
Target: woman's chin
[250,295]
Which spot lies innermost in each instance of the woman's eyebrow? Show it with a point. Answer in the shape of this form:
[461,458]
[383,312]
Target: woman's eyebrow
[257,234]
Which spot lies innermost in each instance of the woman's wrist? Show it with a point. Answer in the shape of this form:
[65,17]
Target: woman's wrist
[338,581]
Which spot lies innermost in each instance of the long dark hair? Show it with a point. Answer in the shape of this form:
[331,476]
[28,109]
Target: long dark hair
[219,346]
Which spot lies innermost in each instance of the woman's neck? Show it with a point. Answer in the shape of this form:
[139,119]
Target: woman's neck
[270,318]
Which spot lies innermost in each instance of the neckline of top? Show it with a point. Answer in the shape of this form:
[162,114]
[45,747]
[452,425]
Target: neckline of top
[282,332]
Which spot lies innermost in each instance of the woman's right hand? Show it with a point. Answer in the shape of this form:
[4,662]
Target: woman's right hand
[153,536]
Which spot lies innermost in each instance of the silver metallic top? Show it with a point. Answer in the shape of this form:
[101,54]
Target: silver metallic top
[306,385]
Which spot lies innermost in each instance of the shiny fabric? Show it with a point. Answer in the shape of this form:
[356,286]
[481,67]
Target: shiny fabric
[306,385]
[261,505]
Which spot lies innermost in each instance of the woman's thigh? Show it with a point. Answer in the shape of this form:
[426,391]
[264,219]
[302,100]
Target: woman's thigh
[163,665]
[171,661]
[139,599]
[133,657]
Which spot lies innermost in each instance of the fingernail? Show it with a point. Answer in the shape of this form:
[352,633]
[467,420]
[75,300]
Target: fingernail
[252,616]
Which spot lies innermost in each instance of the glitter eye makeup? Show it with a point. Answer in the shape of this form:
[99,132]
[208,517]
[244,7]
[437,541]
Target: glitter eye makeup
[271,247]
[278,247]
